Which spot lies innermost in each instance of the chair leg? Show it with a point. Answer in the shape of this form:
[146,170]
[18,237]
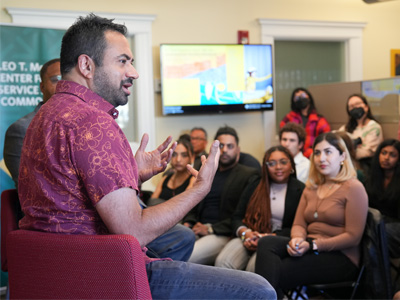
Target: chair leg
[297,293]
[357,283]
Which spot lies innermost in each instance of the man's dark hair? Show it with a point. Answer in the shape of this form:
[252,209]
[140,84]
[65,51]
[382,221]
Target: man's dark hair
[44,68]
[86,36]
[296,128]
[227,130]
[201,129]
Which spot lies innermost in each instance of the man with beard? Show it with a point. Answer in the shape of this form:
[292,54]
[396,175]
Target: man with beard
[78,174]
[210,220]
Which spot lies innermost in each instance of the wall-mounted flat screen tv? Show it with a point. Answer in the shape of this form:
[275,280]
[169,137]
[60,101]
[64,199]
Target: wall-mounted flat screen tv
[211,78]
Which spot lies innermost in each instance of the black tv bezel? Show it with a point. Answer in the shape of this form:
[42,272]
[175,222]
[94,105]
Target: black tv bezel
[218,109]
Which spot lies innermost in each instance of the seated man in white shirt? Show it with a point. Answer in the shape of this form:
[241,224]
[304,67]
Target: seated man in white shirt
[292,137]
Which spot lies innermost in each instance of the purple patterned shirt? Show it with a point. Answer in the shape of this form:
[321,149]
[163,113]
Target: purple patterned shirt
[74,154]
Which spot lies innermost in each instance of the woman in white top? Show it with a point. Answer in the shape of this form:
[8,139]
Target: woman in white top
[362,128]
[266,207]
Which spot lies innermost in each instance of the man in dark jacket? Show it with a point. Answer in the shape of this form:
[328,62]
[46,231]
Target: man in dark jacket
[210,220]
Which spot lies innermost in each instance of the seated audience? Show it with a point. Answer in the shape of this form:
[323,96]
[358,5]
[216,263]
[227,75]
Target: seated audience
[304,113]
[363,129]
[292,137]
[325,238]
[266,207]
[211,219]
[350,147]
[78,174]
[198,138]
[180,178]
[383,188]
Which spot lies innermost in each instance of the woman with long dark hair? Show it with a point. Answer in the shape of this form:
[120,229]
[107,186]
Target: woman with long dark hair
[383,188]
[362,128]
[304,112]
[324,241]
[266,207]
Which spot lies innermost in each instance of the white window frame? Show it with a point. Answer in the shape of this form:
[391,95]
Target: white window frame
[139,27]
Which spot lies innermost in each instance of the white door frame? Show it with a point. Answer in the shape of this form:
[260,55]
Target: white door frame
[351,33]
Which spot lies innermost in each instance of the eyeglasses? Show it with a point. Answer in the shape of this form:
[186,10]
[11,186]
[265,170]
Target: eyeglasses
[197,139]
[273,163]
[229,146]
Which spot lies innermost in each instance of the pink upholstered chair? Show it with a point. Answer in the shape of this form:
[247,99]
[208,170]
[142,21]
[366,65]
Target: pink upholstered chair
[9,199]
[56,266]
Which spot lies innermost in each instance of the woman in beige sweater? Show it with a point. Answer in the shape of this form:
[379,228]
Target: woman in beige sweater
[327,229]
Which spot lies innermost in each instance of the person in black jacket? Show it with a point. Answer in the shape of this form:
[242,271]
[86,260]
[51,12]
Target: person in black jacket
[211,219]
[267,207]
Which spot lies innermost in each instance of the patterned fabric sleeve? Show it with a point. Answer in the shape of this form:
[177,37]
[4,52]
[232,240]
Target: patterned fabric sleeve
[102,155]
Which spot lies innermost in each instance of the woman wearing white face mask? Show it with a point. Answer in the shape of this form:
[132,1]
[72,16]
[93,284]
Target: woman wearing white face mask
[362,128]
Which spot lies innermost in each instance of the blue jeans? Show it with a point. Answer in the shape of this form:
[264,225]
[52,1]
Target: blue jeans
[182,280]
[177,244]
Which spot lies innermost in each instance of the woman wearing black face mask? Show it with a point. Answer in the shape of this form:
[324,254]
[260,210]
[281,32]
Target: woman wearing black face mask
[363,129]
[304,113]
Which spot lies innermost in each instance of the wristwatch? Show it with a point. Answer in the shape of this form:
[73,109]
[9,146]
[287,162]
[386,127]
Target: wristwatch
[243,234]
[315,247]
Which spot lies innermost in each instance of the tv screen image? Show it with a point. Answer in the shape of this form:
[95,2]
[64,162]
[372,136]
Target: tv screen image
[200,78]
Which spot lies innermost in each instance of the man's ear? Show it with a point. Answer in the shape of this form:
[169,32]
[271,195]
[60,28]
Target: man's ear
[86,66]
[41,86]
